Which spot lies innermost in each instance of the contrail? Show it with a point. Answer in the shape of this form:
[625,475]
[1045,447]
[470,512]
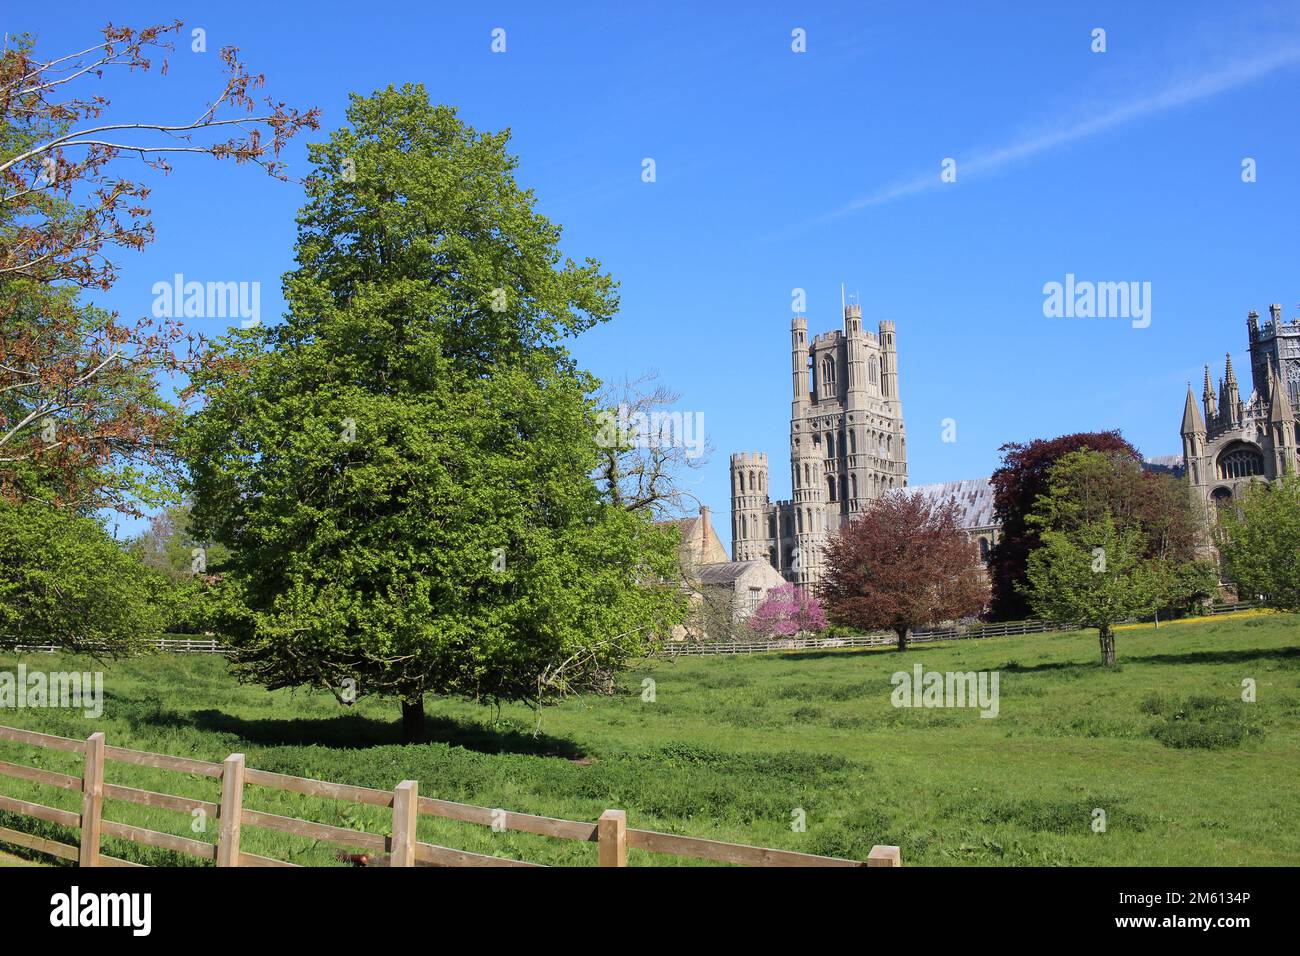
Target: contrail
[1202,87]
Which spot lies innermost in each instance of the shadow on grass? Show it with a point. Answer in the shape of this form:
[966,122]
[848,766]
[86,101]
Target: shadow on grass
[354,731]
[1221,657]
[1191,657]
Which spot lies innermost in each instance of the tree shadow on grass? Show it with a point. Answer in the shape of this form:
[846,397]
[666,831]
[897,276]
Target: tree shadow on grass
[354,731]
[1225,656]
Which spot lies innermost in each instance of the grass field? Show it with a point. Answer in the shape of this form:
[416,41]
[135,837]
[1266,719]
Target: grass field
[731,747]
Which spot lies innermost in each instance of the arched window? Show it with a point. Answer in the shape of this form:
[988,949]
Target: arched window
[830,445]
[873,368]
[853,443]
[1240,461]
[830,486]
[798,518]
[853,485]
[1221,497]
[740,477]
[744,528]
[984,549]
[752,485]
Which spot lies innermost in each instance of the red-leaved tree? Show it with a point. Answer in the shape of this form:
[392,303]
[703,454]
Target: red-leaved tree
[788,611]
[82,422]
[902,564]
[1024,476]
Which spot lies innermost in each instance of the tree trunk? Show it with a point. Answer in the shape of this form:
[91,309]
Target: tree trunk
[902,638]
[413,721]
[1107,639]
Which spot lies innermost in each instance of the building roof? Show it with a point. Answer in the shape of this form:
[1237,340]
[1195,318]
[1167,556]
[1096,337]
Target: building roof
[1165,464]
[974,498]
[724,572]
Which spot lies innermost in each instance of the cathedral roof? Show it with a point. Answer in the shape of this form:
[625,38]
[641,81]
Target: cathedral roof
[974,499]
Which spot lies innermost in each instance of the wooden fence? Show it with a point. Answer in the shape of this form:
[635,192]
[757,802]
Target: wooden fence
[210,645]
[399,847]
[954,632]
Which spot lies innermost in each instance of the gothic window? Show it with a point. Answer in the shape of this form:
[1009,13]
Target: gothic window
[740,477]
[853,484]
[830,445]
[744,528]
[984,549]
[853,443]
[798,517]
[1221,497]
[830,486]
[752,486]
[828,371]
[874,368]
[1240,461]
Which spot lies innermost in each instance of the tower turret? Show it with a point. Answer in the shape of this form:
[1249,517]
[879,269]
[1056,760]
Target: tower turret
[749,506]
[1210,399]
[1231,394]
[799,363]
[856,395]
[1281,424]
[1193,432]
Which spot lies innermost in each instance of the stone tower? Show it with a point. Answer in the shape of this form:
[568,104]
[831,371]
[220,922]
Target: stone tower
[1238,441]
[847,447]
[749,507]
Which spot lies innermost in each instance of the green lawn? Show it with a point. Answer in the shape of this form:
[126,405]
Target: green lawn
[731,747]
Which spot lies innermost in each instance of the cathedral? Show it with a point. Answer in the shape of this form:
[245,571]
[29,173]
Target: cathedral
[1237,442]
[847,448]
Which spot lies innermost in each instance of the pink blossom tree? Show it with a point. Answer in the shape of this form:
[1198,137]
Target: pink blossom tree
[787,611]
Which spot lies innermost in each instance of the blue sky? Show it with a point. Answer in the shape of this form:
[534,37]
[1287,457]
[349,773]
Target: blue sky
[778,170]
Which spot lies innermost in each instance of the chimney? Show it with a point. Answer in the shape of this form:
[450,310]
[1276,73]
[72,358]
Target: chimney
[704,524]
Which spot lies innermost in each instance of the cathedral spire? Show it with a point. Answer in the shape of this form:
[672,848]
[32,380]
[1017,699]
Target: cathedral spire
[1278,400]
[1209,398]
[1192,423]
[1231,393]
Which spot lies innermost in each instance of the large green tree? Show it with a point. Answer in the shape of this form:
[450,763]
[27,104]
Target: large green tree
[1114,542]
[402,470]
[1259,539]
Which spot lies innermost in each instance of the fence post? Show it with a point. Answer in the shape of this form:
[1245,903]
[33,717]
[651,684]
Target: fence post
[405,806]
[92,801]
[612,833]
[884,856]
[230,810]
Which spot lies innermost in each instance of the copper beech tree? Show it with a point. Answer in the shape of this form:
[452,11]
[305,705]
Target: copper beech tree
[81,421]
[902,564]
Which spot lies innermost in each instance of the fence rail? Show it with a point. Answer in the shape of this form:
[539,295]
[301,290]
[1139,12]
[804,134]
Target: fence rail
[398,847]
[888,638]
[210,645]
